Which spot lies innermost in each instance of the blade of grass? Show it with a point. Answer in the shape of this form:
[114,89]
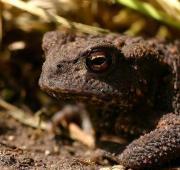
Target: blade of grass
[150,11]
[1,26]
[49,17]
[171,7]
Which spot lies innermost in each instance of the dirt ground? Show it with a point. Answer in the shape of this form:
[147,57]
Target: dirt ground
[23,147]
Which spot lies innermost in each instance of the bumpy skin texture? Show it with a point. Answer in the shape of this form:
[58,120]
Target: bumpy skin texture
[135,91]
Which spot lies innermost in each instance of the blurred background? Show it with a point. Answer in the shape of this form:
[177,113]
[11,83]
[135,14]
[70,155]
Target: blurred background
[23,23]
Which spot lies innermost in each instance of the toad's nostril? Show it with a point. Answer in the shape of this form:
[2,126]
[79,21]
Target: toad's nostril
[59,66]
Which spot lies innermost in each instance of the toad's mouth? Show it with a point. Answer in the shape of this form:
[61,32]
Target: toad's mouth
[74,96]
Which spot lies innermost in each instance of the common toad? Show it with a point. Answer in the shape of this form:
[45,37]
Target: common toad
[131,86]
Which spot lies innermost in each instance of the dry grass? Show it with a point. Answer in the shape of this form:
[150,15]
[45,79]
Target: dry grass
[22,24]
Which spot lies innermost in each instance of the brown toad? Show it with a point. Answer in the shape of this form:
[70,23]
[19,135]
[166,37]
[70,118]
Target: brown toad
[130,85]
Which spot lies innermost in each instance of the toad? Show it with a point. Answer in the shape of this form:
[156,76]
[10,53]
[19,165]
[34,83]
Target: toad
[131,87]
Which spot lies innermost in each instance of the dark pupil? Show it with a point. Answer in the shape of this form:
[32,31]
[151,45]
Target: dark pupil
[98,61]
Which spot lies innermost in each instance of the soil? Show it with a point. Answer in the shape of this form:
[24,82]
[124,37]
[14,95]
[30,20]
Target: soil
[23,147]
[26,148]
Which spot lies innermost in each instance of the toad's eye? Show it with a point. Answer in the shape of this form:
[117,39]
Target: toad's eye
[99,61]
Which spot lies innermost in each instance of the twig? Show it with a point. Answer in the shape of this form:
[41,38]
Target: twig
[78,134]
[23,117]
[115,167]
[149,10]
[49,17]
[75,131]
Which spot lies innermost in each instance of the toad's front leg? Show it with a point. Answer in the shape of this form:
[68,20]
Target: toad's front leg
[155,148]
